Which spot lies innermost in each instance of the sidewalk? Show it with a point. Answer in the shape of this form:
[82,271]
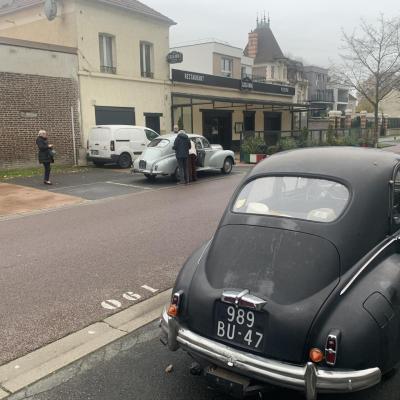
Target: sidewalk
[16,199]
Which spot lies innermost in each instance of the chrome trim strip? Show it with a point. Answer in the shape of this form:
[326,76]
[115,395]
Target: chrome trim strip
[360,271]
[204,250]
[308,378]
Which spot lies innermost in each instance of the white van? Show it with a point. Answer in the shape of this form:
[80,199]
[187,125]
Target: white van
[117,144]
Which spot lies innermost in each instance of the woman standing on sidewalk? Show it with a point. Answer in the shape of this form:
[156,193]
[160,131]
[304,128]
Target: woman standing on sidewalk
[45,155]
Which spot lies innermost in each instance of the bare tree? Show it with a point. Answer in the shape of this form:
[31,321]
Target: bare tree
[371,61]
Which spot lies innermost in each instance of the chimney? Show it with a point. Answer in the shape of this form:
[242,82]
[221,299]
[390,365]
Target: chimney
[252,46]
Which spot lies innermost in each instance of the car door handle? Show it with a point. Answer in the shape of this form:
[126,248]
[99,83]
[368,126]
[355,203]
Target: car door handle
[143,144]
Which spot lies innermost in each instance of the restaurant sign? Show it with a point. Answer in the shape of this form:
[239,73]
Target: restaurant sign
[174,57]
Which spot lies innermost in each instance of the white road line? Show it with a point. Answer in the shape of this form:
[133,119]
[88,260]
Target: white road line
[129,185]
[150,289]
[111,304]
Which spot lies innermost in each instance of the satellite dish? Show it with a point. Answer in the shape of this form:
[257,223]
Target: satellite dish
[50,9]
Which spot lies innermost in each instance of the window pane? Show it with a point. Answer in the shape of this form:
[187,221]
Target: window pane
[310,199]
[151,134]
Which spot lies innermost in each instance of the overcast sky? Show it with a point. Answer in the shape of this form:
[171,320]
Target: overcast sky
[308,29]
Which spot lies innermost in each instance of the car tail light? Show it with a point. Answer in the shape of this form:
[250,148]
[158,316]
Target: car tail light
[112,145]
[331,348]
[316,355]
[176,303]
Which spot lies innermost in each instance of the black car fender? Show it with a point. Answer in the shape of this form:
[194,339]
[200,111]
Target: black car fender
[185,276]
[367,316]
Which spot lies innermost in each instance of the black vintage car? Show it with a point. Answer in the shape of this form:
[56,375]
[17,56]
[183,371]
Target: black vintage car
[300,285]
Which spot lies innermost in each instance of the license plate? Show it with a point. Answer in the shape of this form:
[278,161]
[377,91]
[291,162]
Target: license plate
[94,152]
[240,326]
[142,164]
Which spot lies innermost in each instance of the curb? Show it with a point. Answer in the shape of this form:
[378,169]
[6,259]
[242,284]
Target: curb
[33,367]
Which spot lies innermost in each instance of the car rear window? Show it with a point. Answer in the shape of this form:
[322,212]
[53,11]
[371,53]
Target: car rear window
[310,199]
[158,143]
[151,134]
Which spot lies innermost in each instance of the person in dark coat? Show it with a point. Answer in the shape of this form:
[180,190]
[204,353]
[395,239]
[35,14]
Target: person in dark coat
[181,147]
[45,155]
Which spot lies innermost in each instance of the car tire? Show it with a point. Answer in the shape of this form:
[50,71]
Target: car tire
[125,160]
[150,177]
[227,167]
[175,175]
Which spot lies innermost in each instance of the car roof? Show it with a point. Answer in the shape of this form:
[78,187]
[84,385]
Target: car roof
[352,164]
[174,135]
[366,172]
[114,127]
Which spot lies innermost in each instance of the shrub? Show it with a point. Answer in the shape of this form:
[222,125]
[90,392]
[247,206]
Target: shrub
[288,143]
[253,145]
[302,139]
[272,150]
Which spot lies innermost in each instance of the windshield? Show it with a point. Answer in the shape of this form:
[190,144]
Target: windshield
[159,143]
[293,197]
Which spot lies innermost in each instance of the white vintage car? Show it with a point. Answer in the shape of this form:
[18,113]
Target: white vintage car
[159,158]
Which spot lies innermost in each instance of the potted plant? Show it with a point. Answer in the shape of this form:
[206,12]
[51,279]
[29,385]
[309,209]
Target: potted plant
[253,150]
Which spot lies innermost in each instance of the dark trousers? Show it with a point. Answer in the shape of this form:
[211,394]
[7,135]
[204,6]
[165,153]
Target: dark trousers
[192,167]
[47,169]
[183,169]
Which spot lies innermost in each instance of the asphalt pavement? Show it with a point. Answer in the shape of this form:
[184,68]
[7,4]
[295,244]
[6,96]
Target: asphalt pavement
[65,269]
[135,369]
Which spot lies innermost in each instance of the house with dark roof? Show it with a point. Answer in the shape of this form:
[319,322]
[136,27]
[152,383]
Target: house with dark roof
[270,65]
[122,46]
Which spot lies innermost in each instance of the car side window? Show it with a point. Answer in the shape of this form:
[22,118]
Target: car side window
[206,143]
[151,135]
[396,202]
[198,144]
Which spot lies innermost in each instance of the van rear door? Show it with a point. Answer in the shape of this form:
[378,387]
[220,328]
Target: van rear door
[99,142]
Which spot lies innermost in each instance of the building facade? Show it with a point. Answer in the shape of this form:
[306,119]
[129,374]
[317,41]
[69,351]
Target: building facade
[324,95]
[214,58]
[39,90]
[269,65]
[123,74]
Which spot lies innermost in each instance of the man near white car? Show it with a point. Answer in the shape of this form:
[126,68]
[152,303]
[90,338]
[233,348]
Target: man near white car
[182,147]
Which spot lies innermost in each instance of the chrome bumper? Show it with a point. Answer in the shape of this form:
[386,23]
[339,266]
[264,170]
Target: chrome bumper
[308,378]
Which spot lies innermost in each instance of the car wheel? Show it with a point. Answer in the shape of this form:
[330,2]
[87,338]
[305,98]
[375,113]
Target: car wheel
[227,167]
[125,160]
[150,177]
[176,176]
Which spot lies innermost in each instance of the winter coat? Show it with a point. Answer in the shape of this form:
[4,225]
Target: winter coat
[182,145]
[44,153]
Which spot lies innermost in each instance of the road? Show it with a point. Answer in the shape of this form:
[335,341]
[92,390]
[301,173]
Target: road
[135,370]
[65,269]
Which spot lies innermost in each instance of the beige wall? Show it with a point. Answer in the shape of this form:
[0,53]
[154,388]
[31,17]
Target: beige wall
[129,29]
[32,24]
[150,97]
[236,73]
[391,105]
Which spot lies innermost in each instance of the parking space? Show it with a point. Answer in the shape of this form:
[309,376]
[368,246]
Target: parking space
[100,183]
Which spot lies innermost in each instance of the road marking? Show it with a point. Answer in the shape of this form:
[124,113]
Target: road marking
[111,304]
[150,289]
[131,296]
[129,185]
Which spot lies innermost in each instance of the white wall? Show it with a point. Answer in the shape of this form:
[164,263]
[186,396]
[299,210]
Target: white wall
[196,58]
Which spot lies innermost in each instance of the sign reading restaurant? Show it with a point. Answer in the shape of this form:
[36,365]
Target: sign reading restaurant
[239,84]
